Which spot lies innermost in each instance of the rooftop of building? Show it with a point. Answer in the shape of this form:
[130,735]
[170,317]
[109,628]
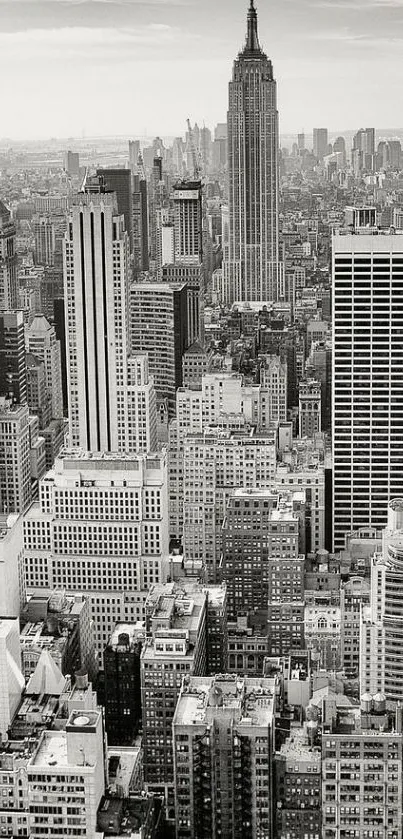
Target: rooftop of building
[299,748]
[177,616]
[40,325]
[122,762]
[7,523]
[250,702]
[127,635]
[195,349]
[373,717]
[51,603]
[216,594]
[8,408]
[129,817]
[70,458]
[52,750]
[158,287]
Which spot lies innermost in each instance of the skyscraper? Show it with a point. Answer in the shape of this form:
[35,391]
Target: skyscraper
[223,757]
[159,327]
[8,261]
[15,466]
[320,142]
[381,630]
[42,342]
[251,263]
[96,276]
[119,181]
[367,380]
[13,375]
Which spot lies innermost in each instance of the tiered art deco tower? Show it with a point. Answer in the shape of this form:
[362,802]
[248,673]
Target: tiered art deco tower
[251,263]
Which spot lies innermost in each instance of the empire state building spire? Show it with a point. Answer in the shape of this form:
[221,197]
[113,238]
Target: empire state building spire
[252,270]
[252,39]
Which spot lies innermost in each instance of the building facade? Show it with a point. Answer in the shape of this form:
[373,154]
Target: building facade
[367,384]
[100,526]
[223,751]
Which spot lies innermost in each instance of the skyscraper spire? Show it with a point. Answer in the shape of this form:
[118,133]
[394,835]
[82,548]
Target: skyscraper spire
[252,39]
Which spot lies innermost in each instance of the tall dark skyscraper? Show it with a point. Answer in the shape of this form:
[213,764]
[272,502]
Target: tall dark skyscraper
[251,264]
[120,182]
[13,373]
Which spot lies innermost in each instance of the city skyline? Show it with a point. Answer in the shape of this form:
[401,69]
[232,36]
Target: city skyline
[321,49]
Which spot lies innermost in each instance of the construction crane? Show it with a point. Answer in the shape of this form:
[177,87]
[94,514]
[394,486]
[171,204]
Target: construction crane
[196,167]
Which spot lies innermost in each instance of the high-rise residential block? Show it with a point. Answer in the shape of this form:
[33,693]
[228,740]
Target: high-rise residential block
[362,770]
[214,465]
[354,598]
[41,341]
[223,739]
[142,406]
[367,381]
[159,327]
[134,154]
[100,526]
[45,240]
[307,474]
[193,275]
[310,410]
[273,379]
[252,539]
[188,222]
[122,683]
[72,762]
[381,633]
[8,261]
[13,378]
[38,394]
[176,647]
[298,783]
[195,364]
[223,400]
[15,465]
[251,267]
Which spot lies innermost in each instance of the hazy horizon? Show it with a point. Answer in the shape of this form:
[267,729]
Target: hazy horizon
[130,68]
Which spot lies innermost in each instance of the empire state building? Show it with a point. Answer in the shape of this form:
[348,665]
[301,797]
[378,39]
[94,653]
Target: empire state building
[251,269]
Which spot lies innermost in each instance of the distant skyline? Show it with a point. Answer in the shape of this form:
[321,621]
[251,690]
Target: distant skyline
[126,67]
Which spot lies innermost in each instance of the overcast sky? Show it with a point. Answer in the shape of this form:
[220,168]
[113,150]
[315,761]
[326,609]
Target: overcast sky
[132,67]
